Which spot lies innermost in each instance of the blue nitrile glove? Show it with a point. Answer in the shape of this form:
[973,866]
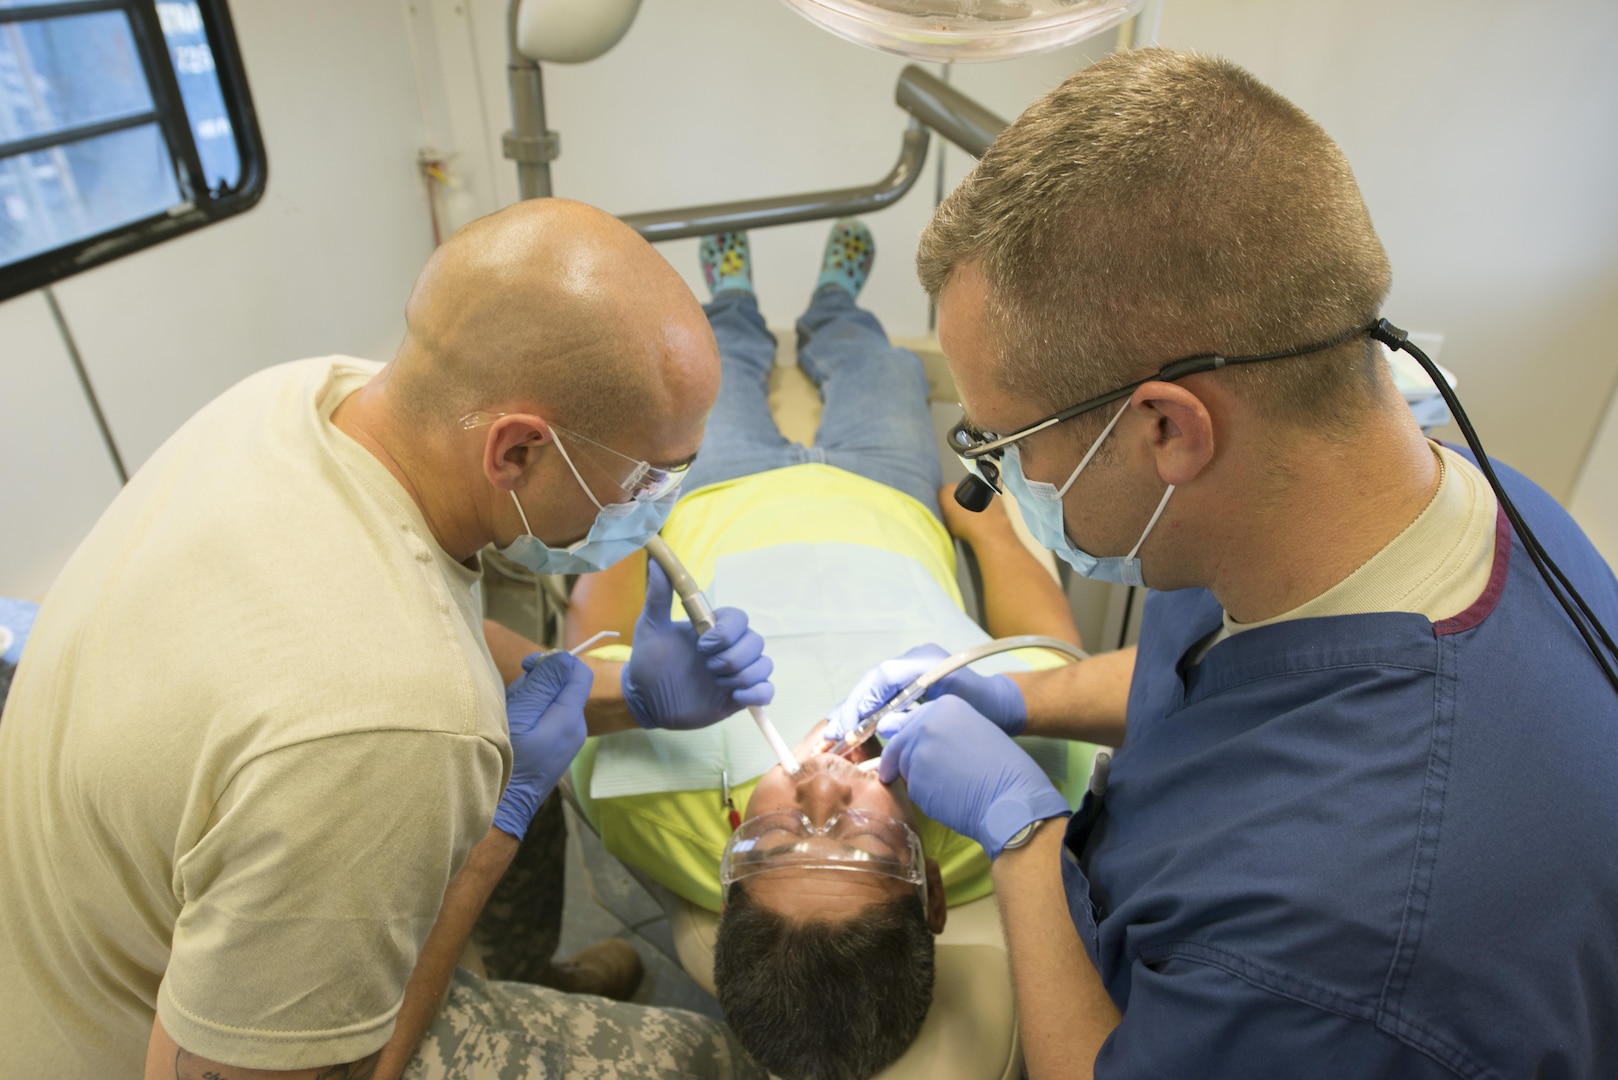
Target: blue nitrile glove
[677,680]
[545,713]
[964,772]
[995,696]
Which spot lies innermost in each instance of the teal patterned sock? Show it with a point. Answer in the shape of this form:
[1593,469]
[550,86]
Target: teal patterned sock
[850,251]
[726,262]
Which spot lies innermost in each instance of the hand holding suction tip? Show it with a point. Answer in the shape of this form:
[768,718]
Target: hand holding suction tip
[880,703]
[733,654]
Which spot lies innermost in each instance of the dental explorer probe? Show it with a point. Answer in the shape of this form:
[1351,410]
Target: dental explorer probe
[912,694]
[700,612]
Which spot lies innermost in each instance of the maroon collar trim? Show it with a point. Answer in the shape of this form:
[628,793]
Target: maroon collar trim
[1484,605]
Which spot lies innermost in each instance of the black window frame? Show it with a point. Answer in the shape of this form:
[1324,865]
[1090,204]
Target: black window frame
[198,205]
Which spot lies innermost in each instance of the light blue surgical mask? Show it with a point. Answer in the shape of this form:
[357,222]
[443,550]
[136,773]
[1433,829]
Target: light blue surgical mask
[1041,506]
[619,530]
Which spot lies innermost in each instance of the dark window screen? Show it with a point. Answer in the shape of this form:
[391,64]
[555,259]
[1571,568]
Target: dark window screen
[122,123]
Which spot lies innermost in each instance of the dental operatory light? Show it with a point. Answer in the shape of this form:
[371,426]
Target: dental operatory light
[965,30]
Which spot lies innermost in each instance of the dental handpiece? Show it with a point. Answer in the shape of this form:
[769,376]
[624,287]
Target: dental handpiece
[909,696]
[701,614]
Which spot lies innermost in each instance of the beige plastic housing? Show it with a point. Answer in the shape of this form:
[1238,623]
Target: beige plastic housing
[572,31]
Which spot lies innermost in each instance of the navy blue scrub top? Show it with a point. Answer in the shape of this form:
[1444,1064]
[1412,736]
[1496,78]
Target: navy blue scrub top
[1367,845]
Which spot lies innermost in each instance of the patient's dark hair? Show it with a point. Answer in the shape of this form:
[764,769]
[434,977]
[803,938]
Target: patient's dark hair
[824,1000]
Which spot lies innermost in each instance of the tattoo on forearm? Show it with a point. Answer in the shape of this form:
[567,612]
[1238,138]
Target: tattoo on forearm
[187,1066]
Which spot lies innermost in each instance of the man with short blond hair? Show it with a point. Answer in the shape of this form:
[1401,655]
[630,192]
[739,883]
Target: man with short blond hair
[1101,222]
[1357,825]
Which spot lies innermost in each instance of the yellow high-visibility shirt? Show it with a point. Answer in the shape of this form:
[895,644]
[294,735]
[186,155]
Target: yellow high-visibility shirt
[677,837]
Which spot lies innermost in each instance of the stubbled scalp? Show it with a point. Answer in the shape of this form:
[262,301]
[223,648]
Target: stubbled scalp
[1158,205]
[557,304]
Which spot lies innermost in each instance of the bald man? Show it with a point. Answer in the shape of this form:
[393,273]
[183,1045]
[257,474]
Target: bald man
[250,762]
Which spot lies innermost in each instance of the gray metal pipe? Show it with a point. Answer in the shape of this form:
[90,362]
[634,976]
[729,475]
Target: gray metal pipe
[946,110]
[930,102]
[528,143]
[787,209]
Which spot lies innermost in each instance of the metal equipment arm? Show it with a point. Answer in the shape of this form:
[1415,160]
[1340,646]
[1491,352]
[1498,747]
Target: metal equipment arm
[786,209]
[947,111]
[930,102]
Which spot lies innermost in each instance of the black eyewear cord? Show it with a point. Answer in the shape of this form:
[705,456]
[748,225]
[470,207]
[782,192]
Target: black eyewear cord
[983,450]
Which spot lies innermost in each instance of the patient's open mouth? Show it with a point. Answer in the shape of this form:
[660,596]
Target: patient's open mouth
[814,745]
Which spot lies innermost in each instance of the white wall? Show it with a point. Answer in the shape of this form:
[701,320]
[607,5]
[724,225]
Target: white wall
[1482,136]
[321,265]
[55,475]
[1482,133]
[1595,497]
[710,100]
[704,100]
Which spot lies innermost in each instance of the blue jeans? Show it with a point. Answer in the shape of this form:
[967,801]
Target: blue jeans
[875,421]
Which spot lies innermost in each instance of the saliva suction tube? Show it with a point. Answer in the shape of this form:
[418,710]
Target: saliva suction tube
[913,694]
[701,614]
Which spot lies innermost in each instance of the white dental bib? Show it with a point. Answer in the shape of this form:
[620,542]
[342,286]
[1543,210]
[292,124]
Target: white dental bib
[829,613]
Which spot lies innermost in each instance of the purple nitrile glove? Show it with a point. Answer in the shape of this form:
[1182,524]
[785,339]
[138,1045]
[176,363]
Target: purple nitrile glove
[995,696]
[545,714]
[679,680]
[963,771]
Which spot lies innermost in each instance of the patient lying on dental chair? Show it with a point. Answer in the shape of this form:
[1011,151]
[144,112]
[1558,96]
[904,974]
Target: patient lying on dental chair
[833,885]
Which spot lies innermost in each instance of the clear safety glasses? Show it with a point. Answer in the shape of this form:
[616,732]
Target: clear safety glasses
[980,451]
[849,840]
[638,479]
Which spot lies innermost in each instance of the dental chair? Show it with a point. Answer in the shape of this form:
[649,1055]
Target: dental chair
[971,1030]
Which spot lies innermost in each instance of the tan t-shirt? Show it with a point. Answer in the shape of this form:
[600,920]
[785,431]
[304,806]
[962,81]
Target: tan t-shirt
[1436,567]
[255,732]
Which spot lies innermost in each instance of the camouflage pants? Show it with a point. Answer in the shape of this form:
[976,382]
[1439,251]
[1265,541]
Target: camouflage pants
[522,922]
[515,1031]
[517,932]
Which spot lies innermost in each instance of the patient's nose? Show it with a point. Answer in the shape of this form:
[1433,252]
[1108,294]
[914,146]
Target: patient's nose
[822,795]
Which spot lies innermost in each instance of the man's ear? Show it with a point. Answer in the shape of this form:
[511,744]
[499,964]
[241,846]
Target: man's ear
[1182,435]
[937,906]
[510,447]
